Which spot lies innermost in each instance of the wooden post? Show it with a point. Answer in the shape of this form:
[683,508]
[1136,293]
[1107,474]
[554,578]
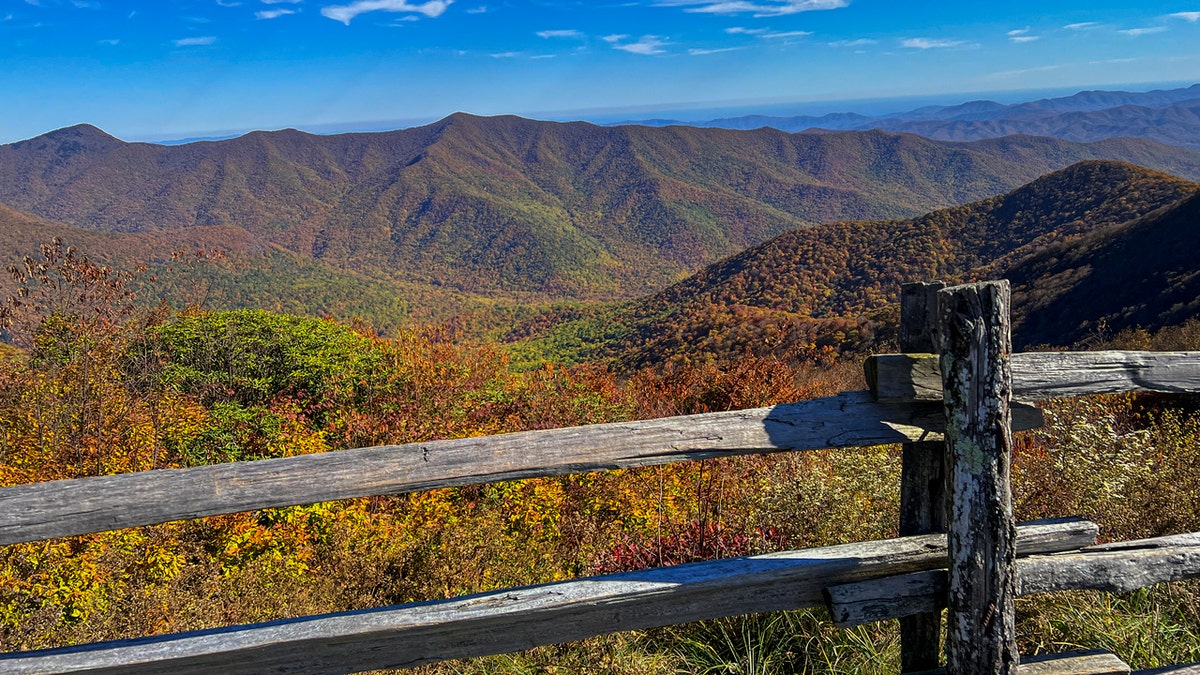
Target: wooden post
[974,343]
[922,480]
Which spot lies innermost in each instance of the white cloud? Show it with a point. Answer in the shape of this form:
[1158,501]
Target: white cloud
[930,43]
[1190,17]
[1138,32]
[226,3]
[787,34]
[280,2]
[568,33]
[1019,31]
[482,9]
[861,42]
[195,41]
[738,30]
[702,52]
[505,55]
[1025,38]
[543,56]
[1085,25]
[646,45]
[610,39]
[769,8]
[273,13]
[110,43]
[346,13]
[1024,71]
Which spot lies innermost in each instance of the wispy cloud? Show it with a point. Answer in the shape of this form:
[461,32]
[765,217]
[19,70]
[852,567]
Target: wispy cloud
[703,52]
[930,43]
[738,30]
[771,8]
[1190,17]
[273,13]
[281,2]
[1084,25]
[1018,31]
[482,9]
[346,13]
[861,42]
[1138,32]
[195,41]
[109,43]
[614,38]
[1005,74]
[1025,38]
[505,55]
[567,33]
[647,45]
[786,34]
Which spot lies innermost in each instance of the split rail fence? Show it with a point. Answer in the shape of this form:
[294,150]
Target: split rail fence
[952,399]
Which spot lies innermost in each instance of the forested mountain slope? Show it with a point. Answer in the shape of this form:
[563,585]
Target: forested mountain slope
[505,205]
[834,285]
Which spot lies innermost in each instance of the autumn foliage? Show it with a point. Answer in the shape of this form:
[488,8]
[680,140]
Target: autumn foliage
[96,386]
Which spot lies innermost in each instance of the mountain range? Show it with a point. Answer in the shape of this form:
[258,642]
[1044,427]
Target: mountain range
[1167,116]
[504,207]
[1096,245]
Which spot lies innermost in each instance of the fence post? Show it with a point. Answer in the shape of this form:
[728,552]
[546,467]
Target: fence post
[922,479]
[974,343]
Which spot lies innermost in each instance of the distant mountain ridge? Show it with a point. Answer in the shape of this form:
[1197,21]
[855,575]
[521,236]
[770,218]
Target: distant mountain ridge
[835,285]
[1167,116]
[503,206]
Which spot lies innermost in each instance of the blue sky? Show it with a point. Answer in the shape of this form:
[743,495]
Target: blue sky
[178,68]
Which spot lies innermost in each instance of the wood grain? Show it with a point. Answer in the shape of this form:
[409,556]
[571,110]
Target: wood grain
[1069,663]
[1181,669]
[1043,375]
[81,506]
[517,619]
[1120,568]
[922,478]
[974,343]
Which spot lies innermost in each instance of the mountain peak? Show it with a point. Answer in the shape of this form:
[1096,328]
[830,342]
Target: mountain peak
[76,138]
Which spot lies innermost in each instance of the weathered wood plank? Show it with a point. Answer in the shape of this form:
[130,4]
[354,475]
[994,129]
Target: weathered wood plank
[1118,568]
[517,619]
[1182,669]
[974,343]
[1085,663]
[922,478]
[1042,375]
[1069,663]
[81,506]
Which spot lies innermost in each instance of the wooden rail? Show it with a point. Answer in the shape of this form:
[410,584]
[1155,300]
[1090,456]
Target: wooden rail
[85,505]
[1042,375]
[1119,568]
[516,619]
[959,400]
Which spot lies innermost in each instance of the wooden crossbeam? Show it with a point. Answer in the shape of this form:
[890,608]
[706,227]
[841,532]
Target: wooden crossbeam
[522,618]
[1042,375]
[1069,663]
[81,506]
[1120,568]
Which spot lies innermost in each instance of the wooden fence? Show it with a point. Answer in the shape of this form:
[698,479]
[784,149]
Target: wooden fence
[958,548]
